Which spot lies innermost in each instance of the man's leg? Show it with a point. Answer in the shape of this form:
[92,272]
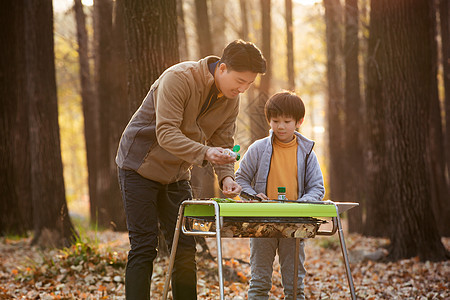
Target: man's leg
[184,277]
[262,254]
[286,252]
[139,197]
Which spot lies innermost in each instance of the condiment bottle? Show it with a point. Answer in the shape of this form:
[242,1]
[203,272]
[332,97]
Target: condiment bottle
[282,193]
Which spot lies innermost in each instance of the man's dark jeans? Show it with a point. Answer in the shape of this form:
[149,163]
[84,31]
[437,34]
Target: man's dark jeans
[146,202]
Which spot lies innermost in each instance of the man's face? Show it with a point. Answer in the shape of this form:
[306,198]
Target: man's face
[232,83]
[283,127]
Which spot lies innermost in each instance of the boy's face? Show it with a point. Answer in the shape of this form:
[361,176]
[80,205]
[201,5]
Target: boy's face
[283,127]
[232,83]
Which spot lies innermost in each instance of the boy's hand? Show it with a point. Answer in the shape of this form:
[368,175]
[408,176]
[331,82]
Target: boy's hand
[230,188]
[216,156]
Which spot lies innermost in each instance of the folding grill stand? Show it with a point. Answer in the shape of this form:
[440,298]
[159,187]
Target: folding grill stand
[198,211]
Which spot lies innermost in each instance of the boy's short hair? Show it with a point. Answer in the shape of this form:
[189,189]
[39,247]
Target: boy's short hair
[286,104]
[241,56]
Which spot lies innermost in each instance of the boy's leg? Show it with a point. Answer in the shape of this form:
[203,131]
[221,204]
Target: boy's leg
[263,252]
[139,198]
[184,277]
[286,252]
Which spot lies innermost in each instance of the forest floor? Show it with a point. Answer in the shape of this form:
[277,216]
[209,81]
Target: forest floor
[94,269]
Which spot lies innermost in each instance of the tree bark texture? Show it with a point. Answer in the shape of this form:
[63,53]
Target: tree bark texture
[335,113]
[258,124]
[203,27]
[290,45]
[52,225]
[354,167]
[15,183]
[408,81]
[152,46]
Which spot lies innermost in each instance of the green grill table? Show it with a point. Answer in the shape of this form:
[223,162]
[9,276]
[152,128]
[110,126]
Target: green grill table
[211,219]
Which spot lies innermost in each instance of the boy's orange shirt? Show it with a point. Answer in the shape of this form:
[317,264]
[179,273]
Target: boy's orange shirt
[283,169]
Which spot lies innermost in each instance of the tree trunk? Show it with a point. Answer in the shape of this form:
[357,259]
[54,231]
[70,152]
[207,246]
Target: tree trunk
[258,124]
[15,185]
[203,28]
[182,38]
[290,45]
[151,46]
[408,80]
[333,20]
[52,225]
[244,20]
[444,13]
[90,109]
[202,179]
[107,211]
[440,195]
[119,115]
[378,194]
[218,26]
[354,167]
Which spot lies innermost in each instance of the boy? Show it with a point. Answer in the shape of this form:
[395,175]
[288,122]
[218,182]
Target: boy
[283,159]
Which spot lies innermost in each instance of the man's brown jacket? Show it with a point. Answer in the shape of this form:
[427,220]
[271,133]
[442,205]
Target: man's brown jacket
[166,136]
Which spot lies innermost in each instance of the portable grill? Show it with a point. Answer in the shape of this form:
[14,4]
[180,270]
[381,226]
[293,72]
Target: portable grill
[297,220]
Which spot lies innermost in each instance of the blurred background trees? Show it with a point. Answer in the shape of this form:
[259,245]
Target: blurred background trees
[376,99]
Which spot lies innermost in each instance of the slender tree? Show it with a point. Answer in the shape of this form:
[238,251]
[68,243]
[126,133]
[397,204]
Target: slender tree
[15,184]
[182,38]
[218,24]
[333,20]
[440,187]
[202,179]
[52,225]
[107,209]
[90,109]
[353,154]
[408,79]
[258,124]
[378,196]
[290,45]
[444,15]
[203,28]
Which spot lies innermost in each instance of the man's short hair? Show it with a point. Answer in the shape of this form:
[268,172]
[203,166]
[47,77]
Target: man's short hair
[243,56]
[285,104]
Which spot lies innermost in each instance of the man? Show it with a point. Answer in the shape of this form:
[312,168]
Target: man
[188,117]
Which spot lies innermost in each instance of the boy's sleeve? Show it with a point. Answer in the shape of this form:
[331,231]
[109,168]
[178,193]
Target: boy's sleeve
[247,170]
[314,189]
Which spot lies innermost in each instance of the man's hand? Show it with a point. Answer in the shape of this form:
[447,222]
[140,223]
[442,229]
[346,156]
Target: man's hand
[262,196]
[230,188]
[216,156]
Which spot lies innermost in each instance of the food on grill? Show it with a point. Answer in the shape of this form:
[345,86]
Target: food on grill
[288,227]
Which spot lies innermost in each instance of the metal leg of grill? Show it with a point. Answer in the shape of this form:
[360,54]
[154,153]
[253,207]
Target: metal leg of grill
[219,253]
[345,256]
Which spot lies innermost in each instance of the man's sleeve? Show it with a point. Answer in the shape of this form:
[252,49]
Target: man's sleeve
[170,99]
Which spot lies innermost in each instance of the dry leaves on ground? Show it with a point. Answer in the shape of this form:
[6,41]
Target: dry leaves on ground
[95,270]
